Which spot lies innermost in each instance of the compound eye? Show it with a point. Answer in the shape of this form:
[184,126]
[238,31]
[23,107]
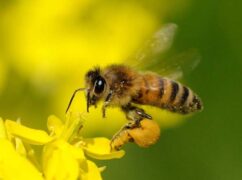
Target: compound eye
[99,85]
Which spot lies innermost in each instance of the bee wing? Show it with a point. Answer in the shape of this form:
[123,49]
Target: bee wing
[156,45]
[151,55]
[177,66]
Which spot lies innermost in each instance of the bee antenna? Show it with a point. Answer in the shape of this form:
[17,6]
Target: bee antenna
[73,95]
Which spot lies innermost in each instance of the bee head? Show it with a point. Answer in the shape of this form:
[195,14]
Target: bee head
[96,85]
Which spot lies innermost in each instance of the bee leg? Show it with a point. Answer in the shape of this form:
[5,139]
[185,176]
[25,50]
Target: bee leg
[142,113]
[106,103]
[122,136]
[135,113]
[104,109]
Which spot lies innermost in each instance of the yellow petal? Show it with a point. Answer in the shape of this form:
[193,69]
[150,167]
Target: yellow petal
[2,129]
[13,166]
[32,136]
[19,146]
[59,162]
[78,153]
[92,172]
[55,125]
[30,154]
[101,169]
[99,148]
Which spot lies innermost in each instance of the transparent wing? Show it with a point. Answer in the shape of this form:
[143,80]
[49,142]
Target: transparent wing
[151,55]
[178,65]
[156,45]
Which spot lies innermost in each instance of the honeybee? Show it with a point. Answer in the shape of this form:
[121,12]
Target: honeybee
[125,87]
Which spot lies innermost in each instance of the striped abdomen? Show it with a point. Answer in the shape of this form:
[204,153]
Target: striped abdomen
[167,94]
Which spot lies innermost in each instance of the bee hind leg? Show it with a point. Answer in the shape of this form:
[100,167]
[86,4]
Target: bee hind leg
[135,113]
[122,136]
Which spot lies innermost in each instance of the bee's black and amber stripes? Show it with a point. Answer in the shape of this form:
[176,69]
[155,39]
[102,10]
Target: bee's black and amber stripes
[167,94]
[174,91]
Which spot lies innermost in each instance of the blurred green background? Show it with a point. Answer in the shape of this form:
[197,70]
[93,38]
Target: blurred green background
[47,46]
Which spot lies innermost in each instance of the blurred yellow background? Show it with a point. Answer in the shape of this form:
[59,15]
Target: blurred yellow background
[48,46]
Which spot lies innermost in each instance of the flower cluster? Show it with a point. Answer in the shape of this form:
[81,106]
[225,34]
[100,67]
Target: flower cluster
[63,151]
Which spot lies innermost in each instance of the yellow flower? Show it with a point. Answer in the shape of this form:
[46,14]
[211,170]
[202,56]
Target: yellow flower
[63,151]
[13,165]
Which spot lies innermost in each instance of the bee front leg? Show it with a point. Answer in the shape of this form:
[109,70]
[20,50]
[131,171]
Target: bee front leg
[106,103]
[135,113]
